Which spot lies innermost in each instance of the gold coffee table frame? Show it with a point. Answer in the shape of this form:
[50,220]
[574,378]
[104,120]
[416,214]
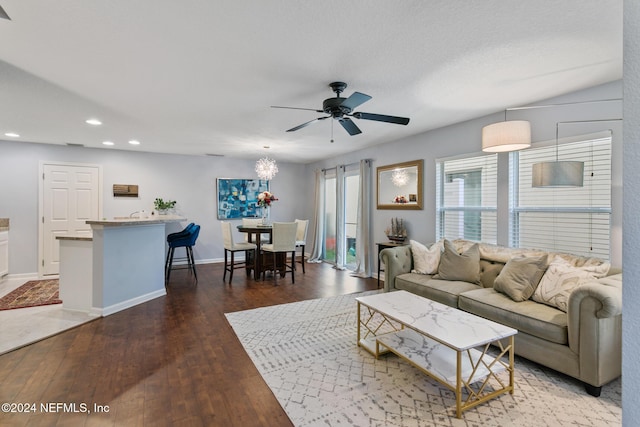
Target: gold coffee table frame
[472,372]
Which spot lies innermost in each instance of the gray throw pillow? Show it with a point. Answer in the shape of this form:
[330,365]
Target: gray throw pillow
[520,277]
[464,267]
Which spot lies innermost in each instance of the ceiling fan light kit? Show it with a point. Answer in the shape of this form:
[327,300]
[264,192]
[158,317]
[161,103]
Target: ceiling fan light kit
[506,136]
[341,109]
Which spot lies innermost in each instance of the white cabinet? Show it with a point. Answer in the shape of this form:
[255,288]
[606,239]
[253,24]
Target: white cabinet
[4,253]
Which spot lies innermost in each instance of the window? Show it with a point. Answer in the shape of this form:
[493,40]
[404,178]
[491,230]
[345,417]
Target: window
[574,220]
[466,198]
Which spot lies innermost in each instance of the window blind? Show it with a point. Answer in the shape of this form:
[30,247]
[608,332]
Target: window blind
[466,198]
[572,219]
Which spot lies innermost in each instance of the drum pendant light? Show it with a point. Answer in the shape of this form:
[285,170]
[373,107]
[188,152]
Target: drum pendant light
[506,136]
[557,173]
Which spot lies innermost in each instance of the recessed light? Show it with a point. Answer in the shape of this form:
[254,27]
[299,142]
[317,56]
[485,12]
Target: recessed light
[94,122]
[107,143]
[12,135]
[134,142]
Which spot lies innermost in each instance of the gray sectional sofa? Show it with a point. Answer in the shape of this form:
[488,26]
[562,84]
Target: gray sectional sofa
[584,342]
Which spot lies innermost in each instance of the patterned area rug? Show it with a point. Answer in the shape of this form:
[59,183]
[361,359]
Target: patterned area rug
[307,354]
[32,294]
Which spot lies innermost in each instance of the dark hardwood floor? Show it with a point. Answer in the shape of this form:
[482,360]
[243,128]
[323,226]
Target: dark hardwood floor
[173,361]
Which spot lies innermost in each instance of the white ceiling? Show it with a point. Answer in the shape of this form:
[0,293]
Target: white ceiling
[199,76]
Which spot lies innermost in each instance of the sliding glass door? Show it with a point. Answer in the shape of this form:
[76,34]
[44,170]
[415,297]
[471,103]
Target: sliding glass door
[330,218]
[341,217]
[351,185]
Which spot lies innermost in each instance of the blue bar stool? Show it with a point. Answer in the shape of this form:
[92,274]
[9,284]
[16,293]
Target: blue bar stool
[179,234]
[183,239]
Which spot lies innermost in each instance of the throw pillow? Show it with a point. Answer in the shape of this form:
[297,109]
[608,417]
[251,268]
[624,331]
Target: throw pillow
[425,260]
[561,278]
[464,267]
[520,277]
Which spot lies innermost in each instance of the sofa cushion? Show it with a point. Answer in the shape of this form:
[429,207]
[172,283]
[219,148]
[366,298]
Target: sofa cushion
[442,291]
[535,319]
[520,277]
[425,260]
[489,270]
[561,278]
[464,267]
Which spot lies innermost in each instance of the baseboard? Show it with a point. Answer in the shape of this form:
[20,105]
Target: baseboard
[24,276]
[127,304]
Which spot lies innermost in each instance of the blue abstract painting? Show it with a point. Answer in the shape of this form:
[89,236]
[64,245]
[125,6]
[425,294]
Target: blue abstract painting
[238,198]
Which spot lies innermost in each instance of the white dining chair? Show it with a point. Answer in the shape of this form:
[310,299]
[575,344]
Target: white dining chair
[301,238]
[254,222]
[284,242]
[230,246]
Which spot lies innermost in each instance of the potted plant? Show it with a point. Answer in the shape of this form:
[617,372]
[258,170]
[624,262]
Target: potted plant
[162,206]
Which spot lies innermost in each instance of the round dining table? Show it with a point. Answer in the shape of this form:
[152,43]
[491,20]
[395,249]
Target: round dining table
[254,234]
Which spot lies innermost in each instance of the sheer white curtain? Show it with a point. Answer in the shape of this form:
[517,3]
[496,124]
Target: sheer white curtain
[318,219]
[341,246]
[363,229]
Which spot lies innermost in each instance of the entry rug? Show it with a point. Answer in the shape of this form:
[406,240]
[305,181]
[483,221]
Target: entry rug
[32,294]
[307,354]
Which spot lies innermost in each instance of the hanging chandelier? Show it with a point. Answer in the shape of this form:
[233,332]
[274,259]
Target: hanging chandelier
[266,168]
[399,177]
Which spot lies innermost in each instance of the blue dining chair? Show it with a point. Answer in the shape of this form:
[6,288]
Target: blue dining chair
[185,240]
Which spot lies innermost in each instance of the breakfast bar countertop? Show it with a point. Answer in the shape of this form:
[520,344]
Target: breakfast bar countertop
[152,219]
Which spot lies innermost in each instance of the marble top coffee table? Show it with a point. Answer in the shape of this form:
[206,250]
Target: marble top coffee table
[449,345]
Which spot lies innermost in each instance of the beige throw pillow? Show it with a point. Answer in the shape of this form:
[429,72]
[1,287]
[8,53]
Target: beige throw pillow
[561,278]
[520,277]
[464,267]
[425,260]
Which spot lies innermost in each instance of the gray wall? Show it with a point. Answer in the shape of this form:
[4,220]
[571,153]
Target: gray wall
[631,292]
[465,138]
[191,180]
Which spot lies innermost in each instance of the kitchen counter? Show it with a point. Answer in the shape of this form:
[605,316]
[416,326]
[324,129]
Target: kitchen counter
[128,261]
[152,219]
[76,271]
[119,263]
[4,224]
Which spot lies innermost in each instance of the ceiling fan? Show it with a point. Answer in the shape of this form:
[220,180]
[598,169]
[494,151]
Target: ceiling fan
[341,109]
[4,14]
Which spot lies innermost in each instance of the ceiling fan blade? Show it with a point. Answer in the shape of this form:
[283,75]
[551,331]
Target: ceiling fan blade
[3,14]
[349,126]
[354,100]
[307,124]
[296,108]
[382,118]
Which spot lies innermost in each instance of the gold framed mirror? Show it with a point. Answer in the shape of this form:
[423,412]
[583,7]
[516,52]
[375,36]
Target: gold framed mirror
[400,186]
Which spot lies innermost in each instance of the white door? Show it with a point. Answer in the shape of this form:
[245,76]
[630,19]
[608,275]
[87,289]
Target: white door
[70,197]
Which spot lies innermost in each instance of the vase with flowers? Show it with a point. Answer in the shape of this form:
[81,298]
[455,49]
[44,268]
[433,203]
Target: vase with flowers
[400,199]
[264,201]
